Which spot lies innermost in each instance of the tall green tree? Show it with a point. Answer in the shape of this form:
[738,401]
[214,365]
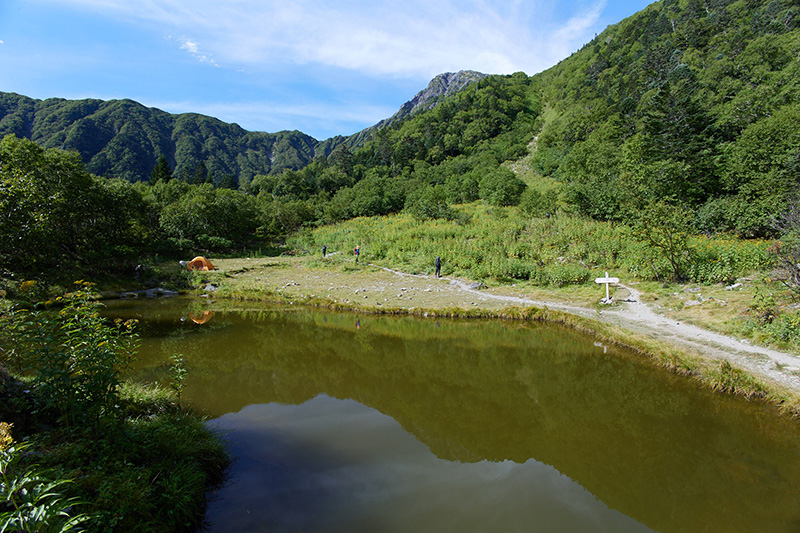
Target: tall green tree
[200,174]
[162,170]
[54,213]
[664,228]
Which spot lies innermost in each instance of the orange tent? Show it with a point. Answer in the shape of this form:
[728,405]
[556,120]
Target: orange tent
[199,263]
[202,319]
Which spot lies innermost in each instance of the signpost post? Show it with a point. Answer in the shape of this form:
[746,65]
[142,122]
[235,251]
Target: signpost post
[607,281]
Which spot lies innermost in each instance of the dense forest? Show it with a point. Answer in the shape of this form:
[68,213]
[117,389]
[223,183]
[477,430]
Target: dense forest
[123,139]
[686,113]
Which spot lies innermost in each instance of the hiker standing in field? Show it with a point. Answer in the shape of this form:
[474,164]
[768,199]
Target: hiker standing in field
[324,250]
[357,251]
[438,264]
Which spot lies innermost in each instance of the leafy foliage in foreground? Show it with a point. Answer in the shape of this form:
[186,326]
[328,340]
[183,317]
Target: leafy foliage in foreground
[28,500]
[137,459]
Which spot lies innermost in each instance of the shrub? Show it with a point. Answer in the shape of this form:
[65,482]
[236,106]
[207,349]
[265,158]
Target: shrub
[75,357]
[566,274]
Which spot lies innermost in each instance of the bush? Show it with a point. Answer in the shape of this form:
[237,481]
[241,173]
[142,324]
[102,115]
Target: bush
[429,203]
[501,187]
[536,204]
[141,461]
[724,260]
[75,357]
[565,274]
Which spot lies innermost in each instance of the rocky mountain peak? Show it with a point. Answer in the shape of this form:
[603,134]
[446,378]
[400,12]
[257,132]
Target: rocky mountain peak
[441,86]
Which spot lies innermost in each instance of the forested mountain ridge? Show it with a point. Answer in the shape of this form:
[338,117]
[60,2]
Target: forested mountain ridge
[442,86]
[123,139]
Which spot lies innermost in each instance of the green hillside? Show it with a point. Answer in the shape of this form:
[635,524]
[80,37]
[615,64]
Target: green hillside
[690,102]
[682,119]
[123,139]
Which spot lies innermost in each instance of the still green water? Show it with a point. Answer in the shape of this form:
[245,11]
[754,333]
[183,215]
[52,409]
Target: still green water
[342,422]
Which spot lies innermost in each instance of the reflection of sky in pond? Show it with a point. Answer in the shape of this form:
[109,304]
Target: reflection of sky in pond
[336,465]
[649,444]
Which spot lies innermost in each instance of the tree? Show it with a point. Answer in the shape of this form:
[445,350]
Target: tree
[51,208]
[200,174]
[787,249]
[501,187]
[161,172]
[677,151]
[429,202]
[210,218]
[664,228]
[229,181]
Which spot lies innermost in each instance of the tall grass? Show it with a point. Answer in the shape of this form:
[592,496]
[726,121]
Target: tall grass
[503,244]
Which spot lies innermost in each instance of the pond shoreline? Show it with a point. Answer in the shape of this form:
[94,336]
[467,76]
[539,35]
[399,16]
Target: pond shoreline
[717,361]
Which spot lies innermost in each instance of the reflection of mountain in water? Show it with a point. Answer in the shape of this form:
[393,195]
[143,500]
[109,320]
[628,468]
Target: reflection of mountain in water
[641,440]
[336,465]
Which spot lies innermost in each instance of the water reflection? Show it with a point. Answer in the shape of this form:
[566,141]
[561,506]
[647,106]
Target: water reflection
[472,399]
[201,318]
[336,465]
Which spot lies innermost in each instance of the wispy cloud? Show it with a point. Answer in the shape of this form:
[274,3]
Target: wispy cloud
[417,38]
[194,49]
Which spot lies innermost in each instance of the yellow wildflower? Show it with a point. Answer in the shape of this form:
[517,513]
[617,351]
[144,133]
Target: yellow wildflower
[5,435]
[25,286]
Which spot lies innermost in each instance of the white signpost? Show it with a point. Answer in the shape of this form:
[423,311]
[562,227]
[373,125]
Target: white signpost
[607,281]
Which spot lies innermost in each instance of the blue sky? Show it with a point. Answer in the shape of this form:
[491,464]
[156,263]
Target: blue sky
[323,67]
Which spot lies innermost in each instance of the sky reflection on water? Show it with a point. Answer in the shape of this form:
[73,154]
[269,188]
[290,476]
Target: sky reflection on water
[465,425]
[336,465]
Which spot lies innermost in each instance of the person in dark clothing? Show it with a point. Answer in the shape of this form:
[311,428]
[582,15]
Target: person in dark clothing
[438,265]
[324,250]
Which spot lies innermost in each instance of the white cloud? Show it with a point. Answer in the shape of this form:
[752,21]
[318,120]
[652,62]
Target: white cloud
[194,49]
[415,38]
[190,46]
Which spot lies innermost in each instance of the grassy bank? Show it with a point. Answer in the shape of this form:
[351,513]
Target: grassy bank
[78,443]
[501,243]
[565,253]
[149,472]
[338,284]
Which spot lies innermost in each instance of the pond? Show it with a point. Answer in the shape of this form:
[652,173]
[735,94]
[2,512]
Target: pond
[344,422]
